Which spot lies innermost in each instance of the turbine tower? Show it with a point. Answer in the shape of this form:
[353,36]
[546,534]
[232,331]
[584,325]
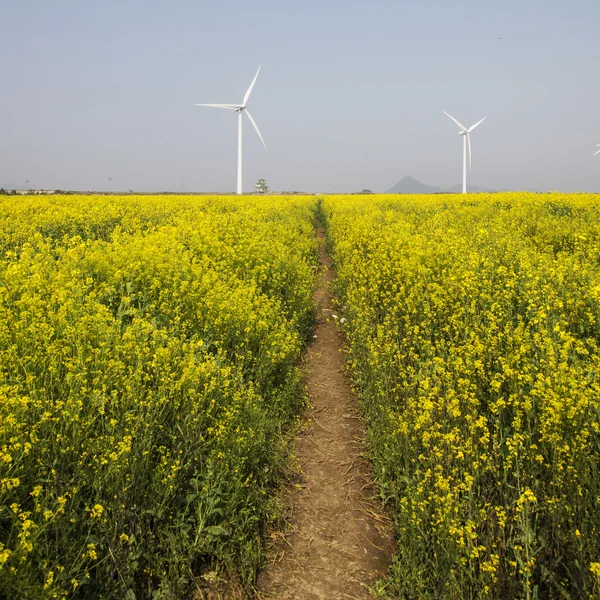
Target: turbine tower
[240,109]
[597,151]
[466,133]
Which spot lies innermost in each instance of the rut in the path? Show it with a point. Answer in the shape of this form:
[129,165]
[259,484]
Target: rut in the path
[337,542]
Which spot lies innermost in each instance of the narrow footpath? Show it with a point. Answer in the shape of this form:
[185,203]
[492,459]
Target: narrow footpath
[338,542]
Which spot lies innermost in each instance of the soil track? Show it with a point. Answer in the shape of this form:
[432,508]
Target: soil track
[338,541]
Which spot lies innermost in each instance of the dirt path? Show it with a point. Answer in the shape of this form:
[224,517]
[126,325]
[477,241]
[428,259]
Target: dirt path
[337,542]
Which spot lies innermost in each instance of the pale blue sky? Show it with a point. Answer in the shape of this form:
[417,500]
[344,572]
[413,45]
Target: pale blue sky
[350,93]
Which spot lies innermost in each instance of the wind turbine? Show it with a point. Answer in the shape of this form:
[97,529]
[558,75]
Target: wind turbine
[597,151]
[240,109]
[466,133]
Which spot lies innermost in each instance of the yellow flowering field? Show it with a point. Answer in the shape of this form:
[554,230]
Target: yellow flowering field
[473,328]
[148,350]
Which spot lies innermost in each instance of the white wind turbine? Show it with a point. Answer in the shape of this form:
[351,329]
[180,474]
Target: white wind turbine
[240,109]
[466,133]
[597,151]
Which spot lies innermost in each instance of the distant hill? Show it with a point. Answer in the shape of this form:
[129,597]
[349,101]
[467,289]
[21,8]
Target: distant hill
[409,185]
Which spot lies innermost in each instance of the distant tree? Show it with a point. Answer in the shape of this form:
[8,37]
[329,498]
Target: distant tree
[365,191]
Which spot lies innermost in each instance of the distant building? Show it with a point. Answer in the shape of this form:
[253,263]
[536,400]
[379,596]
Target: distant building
[35,192]
[261,187]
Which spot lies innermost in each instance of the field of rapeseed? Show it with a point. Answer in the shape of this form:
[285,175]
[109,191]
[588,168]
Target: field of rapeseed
[473,326]
[147,366]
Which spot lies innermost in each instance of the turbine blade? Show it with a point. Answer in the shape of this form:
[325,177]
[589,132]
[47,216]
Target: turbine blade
[476,124]
[598,152]
[255,127]
[457,122]
[250,88]
[469,144]
[229,106]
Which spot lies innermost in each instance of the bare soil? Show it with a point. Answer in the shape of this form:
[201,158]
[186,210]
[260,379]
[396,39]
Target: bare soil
[338,540]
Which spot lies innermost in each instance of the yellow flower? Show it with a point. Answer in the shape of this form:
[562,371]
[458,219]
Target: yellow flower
[91,551]
[4,554]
